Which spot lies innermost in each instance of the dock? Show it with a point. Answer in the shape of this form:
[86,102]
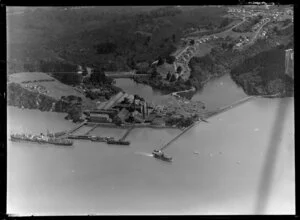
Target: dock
[208,115]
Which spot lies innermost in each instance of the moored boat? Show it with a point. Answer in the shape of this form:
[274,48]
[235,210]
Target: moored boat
[41,139]
[118,142]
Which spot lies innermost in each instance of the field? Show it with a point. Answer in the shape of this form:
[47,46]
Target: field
[55,88]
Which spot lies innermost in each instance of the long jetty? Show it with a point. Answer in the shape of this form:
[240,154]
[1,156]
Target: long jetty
[208,115]
[76,128]
[93,128]
[126,133]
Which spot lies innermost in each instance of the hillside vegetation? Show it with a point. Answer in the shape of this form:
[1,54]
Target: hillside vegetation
[114,38]
[264,74]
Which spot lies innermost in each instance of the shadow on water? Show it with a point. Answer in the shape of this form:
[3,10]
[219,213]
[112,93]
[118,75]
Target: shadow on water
[265,184]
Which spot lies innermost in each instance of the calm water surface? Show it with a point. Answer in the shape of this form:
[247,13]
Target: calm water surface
[95,178]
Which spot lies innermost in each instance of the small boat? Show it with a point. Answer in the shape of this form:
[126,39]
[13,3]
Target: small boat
[196,152]
[160,155]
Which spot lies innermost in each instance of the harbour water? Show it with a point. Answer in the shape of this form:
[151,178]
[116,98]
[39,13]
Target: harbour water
[225,177]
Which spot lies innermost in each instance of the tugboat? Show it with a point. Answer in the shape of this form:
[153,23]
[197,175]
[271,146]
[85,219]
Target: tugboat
[160,155]
[41,139]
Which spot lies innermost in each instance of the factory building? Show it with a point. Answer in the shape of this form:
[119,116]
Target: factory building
[96,117]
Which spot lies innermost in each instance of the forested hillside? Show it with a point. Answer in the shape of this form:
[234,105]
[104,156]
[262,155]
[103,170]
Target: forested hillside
[108,37]
[264,74]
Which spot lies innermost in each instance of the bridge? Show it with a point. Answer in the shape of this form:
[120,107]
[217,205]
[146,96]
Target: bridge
[208,115]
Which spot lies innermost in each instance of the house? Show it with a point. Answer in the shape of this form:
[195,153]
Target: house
[239,44]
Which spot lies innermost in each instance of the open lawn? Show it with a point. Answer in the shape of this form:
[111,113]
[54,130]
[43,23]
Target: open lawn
[55,88]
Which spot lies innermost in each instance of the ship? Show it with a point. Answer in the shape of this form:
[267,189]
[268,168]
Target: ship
[160,155]
[41,139]
[118,142]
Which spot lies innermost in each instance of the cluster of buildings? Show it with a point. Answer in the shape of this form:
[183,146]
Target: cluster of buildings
[260,23]
[183,58]
[124,109]
[243,40]
[37,88]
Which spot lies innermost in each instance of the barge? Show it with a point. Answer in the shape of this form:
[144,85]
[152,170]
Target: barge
[41,139]
[81,137]
[118,142]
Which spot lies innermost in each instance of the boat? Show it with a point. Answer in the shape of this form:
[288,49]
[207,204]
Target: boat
[160,155]
[118,142]
[41,139]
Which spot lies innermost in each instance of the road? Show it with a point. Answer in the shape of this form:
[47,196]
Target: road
[256,34]
[186,69]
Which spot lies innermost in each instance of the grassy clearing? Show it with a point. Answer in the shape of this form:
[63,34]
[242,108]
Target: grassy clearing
[55,88]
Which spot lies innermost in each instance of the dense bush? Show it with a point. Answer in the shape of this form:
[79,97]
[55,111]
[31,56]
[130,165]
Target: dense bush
[264,74]
[69,78]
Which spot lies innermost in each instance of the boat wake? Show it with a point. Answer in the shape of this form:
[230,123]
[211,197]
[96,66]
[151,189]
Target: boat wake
[144,154]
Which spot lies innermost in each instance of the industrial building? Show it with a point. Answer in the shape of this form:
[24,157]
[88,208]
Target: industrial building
[98,117]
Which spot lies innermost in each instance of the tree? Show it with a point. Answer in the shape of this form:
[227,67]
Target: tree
[98,77]
[174,38]
[170,59]
[154,73]
[160,61]
[192,42]
[179,69]
[275,86]
[84,72]
[168,76]
[173,78]
[180,79]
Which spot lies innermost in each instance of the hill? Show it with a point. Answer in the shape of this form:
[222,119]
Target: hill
[263,74]
[110,37]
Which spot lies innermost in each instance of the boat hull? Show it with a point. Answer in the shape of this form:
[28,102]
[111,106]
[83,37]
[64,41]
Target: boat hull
[16,139]
[164,158]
